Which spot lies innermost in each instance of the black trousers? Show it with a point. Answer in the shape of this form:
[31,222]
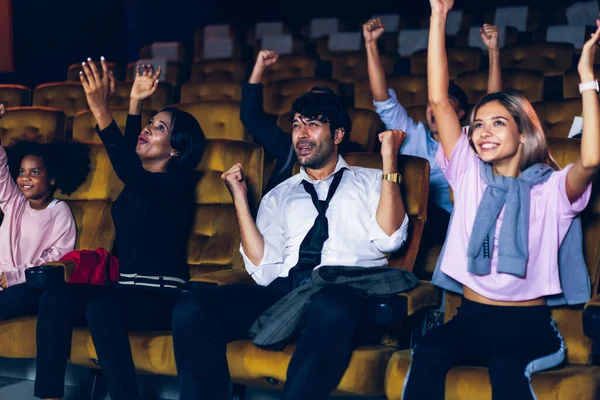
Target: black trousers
[110,312]
[513,342]
[202,326]
[18,301]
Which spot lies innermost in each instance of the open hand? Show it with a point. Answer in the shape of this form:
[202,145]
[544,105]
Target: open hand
[391,141]
[373,29]
[489,36]
[586,62]
[3,281]
[441,6]
[146,82]
[2,110]
[266,58]
[236,182]
[98,88]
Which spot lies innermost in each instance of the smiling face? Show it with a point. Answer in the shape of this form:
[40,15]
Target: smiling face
[33,180]
[313,142]
[154,143]
[495,134]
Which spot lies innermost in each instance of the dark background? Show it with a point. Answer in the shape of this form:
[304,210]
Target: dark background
[51,35]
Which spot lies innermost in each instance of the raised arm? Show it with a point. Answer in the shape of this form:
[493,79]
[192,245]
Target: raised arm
[372,31]
[144,86]
[8,187]
[438,79]
[581,174]
[489,36]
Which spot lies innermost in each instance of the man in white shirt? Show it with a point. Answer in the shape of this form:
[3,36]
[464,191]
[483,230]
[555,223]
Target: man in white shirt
[328,214]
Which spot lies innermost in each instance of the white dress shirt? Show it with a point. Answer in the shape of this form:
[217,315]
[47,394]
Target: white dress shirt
[287,213]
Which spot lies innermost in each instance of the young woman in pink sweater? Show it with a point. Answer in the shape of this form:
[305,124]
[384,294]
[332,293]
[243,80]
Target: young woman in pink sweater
[36,228]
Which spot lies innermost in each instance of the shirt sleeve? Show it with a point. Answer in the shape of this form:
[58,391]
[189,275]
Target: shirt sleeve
[463,159]
[260,125]
[393,115]
[270,225]
[8,187]
[556,187]
[65,234]
[385,243]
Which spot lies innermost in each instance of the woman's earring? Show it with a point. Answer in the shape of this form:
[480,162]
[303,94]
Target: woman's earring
[174,153]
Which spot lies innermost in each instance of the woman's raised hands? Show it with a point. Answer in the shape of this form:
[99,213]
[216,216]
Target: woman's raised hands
[98,88]
[146,82]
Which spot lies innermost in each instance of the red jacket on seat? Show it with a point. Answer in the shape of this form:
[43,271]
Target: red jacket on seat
[93,266]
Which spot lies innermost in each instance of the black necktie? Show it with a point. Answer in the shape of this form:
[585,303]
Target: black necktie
[312,245]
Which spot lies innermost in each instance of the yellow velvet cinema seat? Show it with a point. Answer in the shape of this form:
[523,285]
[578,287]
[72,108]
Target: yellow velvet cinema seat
[200,39]
[291,67]
[528,82]
[557,115]
[553,59]
[366,124]
[411,90]
[90,204]
[460,59]
[66,96]
[571,81]
[15,95]
[159,100]
[578,379]
[192,92]
[40,123]
[218,70]
[218,119]
[279,96]
[84,125]
[348,67]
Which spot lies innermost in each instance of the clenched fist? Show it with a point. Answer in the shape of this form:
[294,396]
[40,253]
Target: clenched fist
[373,29]
[2,110]
[235,181]
[266,58]
[391,141]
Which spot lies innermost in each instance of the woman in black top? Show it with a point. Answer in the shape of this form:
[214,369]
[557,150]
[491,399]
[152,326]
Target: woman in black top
[153,216]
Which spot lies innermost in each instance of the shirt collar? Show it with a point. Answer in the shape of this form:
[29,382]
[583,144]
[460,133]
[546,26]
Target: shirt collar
[302,175]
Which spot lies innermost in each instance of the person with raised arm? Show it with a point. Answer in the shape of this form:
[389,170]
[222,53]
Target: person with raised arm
[422,138]
[153,218]
[514,247]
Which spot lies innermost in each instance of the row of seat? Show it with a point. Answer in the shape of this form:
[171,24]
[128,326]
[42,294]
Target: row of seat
[373,371]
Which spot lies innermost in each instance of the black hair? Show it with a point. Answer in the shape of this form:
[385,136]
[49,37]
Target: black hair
[461,97]
[187,138]
[68,163]
[321,103]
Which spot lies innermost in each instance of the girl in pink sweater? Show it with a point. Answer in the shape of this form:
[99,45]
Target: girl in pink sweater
[36,228]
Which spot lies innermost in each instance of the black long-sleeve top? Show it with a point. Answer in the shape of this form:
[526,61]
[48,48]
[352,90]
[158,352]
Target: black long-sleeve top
[153,214]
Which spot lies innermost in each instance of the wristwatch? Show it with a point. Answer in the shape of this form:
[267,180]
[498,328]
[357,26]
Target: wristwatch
[592,85]
[397,177]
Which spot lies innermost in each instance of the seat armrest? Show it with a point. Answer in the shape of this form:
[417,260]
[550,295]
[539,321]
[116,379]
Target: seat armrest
[591,318]
[225,277]
[424,296]
[69,267]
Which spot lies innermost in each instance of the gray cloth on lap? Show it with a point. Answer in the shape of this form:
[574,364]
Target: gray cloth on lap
[283,319]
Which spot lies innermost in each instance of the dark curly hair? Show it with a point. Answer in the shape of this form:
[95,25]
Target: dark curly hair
[322,104]
[68,163]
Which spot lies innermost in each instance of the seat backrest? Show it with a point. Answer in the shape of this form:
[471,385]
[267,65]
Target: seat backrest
[460,59]
[550,58]
[41,123]
[569,319]
[557,115]
[75,69]
[415,192]
[215,239]
[528,82]
[411,90]
[571,81]
[279,96]
[192,92]
[15,95]
[159,100]
[352,66]
[84,125]
[91,202]
[218,70]
[366,124]
[291,67]
[199,43]
[66,96]
[218,119]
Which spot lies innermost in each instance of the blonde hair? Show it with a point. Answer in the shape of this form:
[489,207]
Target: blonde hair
[535,147]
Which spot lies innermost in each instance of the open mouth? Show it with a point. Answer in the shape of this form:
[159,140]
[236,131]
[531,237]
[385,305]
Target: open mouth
[26,187]
[487,146]
[304,149]
[142,139]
